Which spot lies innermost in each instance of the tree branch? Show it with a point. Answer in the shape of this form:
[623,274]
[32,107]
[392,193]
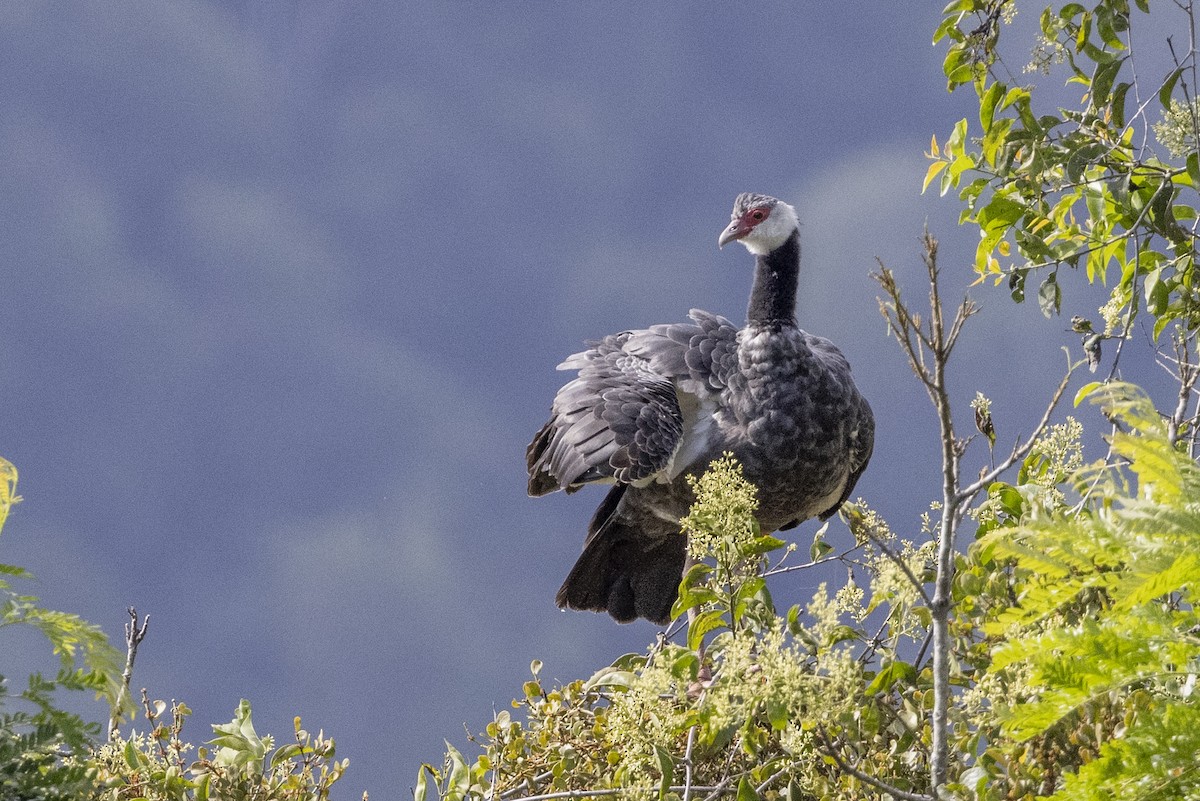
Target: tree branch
[867,778]
[134,635]
[940,607]
[687,764]
[900,563]
[780,568]
[939,342]
[1187,374]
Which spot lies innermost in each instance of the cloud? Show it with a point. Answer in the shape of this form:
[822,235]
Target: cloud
[254,241]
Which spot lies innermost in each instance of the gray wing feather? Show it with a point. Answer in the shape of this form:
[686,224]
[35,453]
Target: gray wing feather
[703,352]
[617,420]
[860,431]
[621,418]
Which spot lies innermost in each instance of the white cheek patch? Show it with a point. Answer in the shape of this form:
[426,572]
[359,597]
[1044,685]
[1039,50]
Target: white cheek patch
[773,231]
[754,246]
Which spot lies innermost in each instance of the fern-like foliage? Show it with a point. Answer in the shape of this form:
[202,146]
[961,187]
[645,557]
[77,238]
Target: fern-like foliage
[31,768]
[35,733]
[1105,626]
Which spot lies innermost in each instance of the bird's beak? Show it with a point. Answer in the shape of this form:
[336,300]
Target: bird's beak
[736,230]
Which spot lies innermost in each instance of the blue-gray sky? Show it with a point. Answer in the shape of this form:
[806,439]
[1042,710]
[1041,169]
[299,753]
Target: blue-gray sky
[285,284]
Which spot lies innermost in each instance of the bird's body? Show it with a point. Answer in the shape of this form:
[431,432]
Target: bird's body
[652,406]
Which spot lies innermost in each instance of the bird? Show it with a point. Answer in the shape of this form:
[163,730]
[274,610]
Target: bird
[650,407]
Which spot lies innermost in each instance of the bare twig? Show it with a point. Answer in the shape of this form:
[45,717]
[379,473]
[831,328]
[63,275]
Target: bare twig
[780,568]
[866,778]
[516,791]
[1130,316]
[648,791]
[152,718]
[940,607]
[939,342]
[134,634]
[924,647]
[1187,375]
[1192,438]
[874,643]
[687,764]
[714,791]
[717,790]
[928,347]
[771,779]
[900,563]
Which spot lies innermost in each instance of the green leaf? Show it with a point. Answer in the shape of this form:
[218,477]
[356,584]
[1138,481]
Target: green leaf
[1008,497]
[945,27]
[1168,87]
[893,672]
[793,619]
[1015,95]
[1182,572]
[1109,26]
[286,752]
[749,588]
[1016,285]
[691,598]
[777,713]
[1157,292]
[697,574]
[630,661]
[840,633]
[666,768]
[458,785]
[819,549]
[934,170]
[987,104]
[1000,213]
[704,623]
[686,665]
[611,677]
[957,139]
[1050,296]
[1193,169]
[694,590]
[1117,103]
[422,788]
[1086,390]
[131,755]
[1070,11]
[1102,80]
[763,544]
[202,784]
[14,571]
[959,66]
[746,791]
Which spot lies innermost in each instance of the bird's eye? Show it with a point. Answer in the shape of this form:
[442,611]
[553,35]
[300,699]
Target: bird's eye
[758,215]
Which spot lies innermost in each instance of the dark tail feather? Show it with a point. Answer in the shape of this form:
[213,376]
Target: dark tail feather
[623,572]
[540,480]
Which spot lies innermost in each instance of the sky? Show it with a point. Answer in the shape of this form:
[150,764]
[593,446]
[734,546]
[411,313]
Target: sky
[284,286]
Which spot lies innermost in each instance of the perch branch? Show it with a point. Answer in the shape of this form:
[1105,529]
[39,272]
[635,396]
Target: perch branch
[134,634]
[867,778]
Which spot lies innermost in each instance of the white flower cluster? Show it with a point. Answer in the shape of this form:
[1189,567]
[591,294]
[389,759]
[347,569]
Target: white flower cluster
[1177,130]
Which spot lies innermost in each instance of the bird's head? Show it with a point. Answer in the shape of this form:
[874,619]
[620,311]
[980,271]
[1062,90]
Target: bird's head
[759,222]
